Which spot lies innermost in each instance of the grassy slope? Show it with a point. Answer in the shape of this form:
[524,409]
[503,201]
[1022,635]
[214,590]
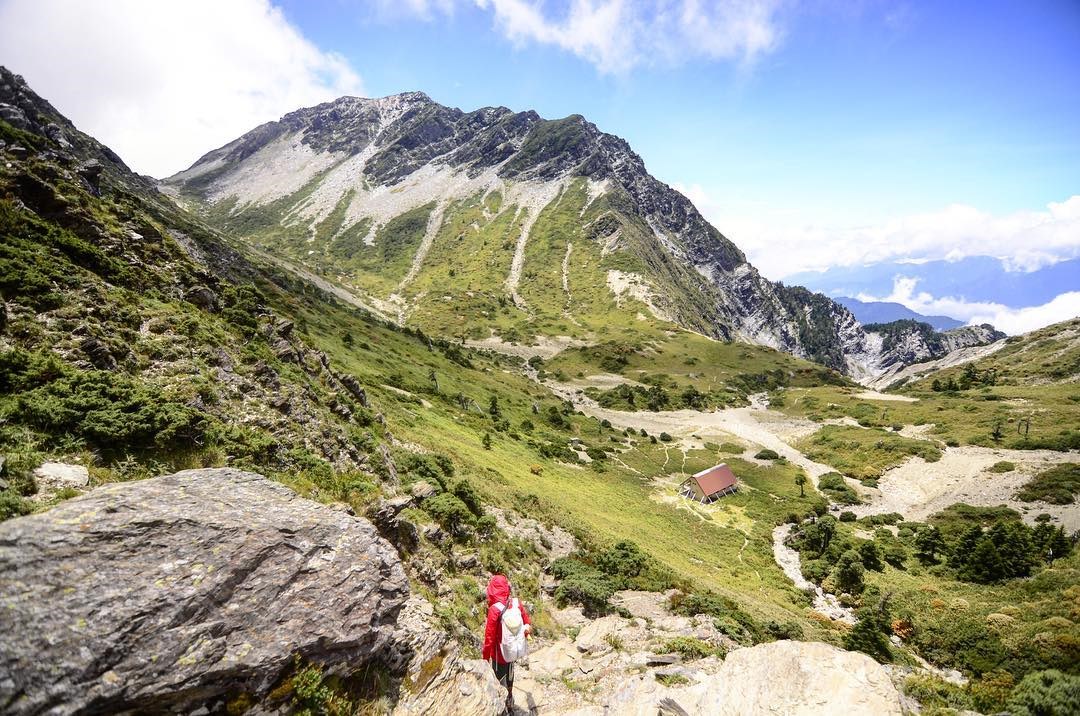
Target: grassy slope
[602,506]
[1034,379]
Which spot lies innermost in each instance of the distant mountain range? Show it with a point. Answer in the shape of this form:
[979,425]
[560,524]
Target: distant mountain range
[974,279]
[887,312]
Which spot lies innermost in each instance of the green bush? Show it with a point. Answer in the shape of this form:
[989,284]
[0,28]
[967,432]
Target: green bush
[833,484]
[1002,466]
[468,495]
[664,437]
[869,635]
[1046,693]
[690,648]
[589,588]
[433,468]
[110,411]
[1057,485]
[451,513]
[767,454]
[13,505]
[596,453]
[624,559]
[847,516]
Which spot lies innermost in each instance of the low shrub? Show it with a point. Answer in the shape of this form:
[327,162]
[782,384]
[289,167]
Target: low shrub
[690,648]
[766,454]
[1057,485]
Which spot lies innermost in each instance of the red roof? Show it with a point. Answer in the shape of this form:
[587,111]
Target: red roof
[715,479]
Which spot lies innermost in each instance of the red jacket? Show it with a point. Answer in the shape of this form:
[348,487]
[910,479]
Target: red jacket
[498,592]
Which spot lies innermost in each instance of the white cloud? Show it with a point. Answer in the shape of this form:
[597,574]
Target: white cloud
[1010,320]
[619,35]
[779,243]
[163,82]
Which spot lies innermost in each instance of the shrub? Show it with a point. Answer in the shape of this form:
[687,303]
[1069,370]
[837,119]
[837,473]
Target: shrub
[434,469]
[13,505]
[664,437]
[767,454]
[465,492]
[833,484]
[624,559]
[690,648]
[451,513]
[869,634]
[595,453]
[589,588]
[1046,693]
[1058,485]
[1002,466]
[847,516]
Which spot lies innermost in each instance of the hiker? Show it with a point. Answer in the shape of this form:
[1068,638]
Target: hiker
[507,628]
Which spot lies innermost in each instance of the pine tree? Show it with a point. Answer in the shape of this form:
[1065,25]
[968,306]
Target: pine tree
[928,543]
[870,556]
[1059,545]
[965,547]
[984,565]
[1013,542]
[849,572]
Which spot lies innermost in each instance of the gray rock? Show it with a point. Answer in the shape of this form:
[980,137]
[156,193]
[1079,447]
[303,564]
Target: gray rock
[386,517]
[422,490]
[179,591]
[202,297]
[789,678]
[98,353]
[58,475]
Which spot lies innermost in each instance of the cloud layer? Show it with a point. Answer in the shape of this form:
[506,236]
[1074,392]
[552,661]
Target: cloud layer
[1010,320]
[162,82]
[1023,241]
[618,35]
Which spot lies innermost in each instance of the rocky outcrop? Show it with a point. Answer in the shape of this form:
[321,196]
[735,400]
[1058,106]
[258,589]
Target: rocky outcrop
[185,590]
[786,678]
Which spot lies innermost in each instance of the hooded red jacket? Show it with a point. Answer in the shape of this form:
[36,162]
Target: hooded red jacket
[498,592]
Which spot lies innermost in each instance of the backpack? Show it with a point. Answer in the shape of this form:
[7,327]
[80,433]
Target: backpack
[513,646]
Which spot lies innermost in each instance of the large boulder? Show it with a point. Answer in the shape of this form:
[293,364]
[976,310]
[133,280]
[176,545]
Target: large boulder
[786,678]
[185,590]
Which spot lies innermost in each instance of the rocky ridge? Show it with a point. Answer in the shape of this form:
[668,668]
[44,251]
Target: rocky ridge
[372,160]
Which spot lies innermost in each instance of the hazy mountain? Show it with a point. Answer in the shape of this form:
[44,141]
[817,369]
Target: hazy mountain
[492,221]
[887,311]
[973,279]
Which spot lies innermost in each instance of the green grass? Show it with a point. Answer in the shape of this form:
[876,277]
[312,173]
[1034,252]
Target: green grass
[864,453]
[1026,416]
[1057,485]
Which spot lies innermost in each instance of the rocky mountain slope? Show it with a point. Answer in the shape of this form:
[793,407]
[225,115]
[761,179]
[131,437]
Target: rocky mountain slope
[466,223]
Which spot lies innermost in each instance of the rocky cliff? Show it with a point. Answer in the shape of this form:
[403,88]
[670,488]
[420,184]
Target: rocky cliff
[187,590]
[464,222]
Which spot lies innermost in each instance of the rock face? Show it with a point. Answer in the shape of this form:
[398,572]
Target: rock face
[183,590]
[343,170]
[786,678]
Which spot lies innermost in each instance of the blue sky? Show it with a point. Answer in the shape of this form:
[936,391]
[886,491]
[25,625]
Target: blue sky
[860,111]
[813,133]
